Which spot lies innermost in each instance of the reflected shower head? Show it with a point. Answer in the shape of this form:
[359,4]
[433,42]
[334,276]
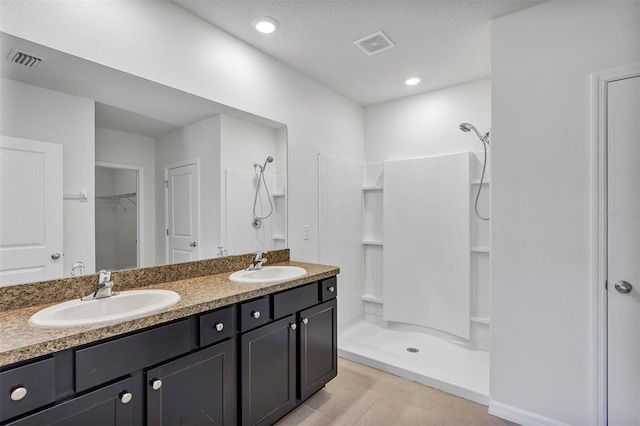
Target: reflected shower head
[466,127]
[268,160]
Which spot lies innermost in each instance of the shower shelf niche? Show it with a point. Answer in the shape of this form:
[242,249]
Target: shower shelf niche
[372,237]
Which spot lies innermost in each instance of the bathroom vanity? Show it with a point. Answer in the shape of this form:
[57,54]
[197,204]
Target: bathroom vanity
[252,358]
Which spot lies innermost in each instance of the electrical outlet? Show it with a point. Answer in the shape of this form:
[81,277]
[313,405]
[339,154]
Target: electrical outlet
[306,234]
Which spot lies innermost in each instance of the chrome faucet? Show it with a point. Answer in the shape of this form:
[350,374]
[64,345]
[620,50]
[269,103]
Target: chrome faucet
[105,287]
[258,261]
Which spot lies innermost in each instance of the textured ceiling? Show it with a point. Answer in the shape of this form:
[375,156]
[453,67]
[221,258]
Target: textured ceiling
[445,42]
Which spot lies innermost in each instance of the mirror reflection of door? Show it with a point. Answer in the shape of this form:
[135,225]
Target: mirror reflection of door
[182,208]
[117,216]
[30,210]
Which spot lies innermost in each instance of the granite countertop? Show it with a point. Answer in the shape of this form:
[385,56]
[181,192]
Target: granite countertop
[19,341]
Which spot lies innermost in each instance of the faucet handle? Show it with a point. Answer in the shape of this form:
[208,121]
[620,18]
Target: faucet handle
[259,255]
[105,276]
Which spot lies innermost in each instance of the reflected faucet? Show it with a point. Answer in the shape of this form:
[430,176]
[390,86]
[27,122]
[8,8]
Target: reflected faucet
[105,287]
[77,268]
[258,261]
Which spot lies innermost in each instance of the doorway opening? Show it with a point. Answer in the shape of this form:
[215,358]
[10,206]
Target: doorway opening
[118,216]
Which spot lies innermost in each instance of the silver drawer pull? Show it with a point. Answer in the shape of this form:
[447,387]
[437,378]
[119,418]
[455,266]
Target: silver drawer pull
[126,397]
[305,321]
[293,326]
[18,393]
[219,326]
[156,384]
[332,289]
[255,314]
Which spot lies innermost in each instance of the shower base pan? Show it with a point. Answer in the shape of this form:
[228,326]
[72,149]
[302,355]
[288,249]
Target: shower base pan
[420,357]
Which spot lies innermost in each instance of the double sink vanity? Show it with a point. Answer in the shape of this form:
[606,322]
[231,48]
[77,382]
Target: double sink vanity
[246,351]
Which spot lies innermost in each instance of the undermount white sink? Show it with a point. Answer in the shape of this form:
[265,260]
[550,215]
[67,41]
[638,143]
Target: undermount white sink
[268,274]
[126,304]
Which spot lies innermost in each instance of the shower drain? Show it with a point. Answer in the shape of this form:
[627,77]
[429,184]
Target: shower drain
[413,350]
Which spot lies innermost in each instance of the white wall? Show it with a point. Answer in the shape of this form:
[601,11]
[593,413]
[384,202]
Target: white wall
[126,148]
[427,125]
[31,112]
[542,59]
[161,42]
[199,141]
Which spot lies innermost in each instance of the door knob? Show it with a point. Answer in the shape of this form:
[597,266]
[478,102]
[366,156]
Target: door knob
[193,244]
[623,287]
[55,256]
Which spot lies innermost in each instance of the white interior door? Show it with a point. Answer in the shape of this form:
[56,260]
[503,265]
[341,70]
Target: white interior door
[30,211]
[623,294]
[182,213]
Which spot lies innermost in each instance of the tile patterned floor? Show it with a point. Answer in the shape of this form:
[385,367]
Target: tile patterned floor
[362,395]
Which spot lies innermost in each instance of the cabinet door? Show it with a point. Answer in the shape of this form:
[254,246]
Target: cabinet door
[197,389]
[108,406]
[318,348]
[268,371]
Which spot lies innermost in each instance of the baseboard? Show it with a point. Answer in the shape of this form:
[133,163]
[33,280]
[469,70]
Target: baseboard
[525,418]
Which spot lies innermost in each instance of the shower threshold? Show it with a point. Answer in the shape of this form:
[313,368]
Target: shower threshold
[438,363]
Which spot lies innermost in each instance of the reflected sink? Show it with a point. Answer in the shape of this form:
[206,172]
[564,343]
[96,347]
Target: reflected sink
[126,304]
[268,274]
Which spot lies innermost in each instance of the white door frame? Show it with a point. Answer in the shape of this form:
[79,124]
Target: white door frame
[598,360]
[140,203]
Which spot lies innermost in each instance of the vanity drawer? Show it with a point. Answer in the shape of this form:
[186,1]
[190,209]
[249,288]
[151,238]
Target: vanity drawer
[328,289]
[216,326]
[38,379]
[255,313]
[109,360]
[294,300]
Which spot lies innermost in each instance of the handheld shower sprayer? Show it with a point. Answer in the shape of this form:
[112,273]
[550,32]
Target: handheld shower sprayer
[257,220]
[466,127]
[263,167]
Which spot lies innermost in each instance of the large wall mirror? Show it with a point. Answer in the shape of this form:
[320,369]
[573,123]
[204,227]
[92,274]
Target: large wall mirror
[104,170]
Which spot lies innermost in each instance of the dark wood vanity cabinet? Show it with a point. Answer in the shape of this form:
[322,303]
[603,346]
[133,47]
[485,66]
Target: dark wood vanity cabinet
[249,363]
[107,406]
[197,389]
[290,358]
[268,372]
[318,348]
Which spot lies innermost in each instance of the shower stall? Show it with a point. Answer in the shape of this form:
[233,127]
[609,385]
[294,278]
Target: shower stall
[422,311]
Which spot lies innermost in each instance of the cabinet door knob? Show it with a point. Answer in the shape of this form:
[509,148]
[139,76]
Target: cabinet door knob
[219,326]
[332,289]
[255,314]
[156,384]
[126,397]
[293,326]
[305,321]
[18,393]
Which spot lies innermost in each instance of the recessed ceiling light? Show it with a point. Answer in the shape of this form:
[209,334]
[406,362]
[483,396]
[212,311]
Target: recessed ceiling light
[412,81]
[265,24]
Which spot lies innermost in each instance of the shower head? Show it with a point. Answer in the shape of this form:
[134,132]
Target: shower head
[268,160]
[466,127]
[263,167]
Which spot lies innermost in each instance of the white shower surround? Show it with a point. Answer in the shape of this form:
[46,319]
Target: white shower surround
[426,268]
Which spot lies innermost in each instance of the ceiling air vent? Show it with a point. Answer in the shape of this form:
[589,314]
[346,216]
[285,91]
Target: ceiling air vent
[25,59]
[374,43]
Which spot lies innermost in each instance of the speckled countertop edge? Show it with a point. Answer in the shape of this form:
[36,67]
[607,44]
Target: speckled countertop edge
[19,341]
